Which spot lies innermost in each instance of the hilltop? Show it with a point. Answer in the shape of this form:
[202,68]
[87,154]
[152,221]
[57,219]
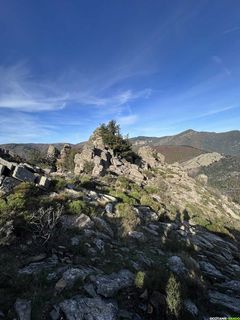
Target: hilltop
[117,235]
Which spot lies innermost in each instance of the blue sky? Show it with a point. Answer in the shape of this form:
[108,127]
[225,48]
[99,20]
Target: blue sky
[156,66]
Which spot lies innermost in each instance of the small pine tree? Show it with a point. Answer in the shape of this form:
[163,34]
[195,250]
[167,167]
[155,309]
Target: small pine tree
[173,291]
[112,138]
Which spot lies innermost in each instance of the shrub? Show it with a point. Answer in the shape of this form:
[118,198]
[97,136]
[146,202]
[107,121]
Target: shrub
[43,223]
[122,183]
[3,206]
[218,226]
[128,218]
[151,189]
[88,183]
[146,200]
[76,206]
[124,197]
[140,279]
[27,189]
[173,292]
[136,195]
[16,202]
[88,167]
[58,184]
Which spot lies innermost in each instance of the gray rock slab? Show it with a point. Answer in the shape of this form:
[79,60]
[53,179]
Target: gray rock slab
[109,285]
[23,174]
[23,309]
[229,302]
[176,265]
[77,221]
[79,308]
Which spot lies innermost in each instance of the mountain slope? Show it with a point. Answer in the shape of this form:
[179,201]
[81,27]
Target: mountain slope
[225,176]
[223,142]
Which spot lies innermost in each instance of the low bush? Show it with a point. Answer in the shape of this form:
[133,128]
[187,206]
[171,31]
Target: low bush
[174,299]
[146,200]
[125,198]
[128,218]
[16,202]
[140,279]
[122,183]
[58,184]
[151,189]
[76,207]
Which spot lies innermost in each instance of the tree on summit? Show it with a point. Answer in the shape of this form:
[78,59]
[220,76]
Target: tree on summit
[113,139]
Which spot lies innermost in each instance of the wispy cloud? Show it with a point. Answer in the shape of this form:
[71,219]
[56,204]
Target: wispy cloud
[19,90]
[117,99]
[234,29]
[21,127]
[220,62]
[127,120]
[29,105]
[208,113]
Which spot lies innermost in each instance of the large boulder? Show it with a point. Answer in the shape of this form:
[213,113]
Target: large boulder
[109,285]
[23,174]
[7,184]
[76,221]
[70,276]
[151,157]
[8,164]
[23,309]
[176,265]
[88,309]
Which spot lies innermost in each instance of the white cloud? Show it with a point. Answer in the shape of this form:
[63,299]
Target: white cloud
[19,90]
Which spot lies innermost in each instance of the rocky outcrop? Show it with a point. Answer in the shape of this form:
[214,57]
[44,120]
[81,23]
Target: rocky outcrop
[98,160]
[63,158]
[150,157]
[203,160]
[52,153]
[52,157]
[12,173]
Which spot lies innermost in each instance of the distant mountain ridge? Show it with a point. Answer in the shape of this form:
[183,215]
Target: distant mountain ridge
[224,142]
[227,143]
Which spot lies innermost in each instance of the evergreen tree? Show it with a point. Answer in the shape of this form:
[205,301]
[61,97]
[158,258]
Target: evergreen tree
[113,139]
